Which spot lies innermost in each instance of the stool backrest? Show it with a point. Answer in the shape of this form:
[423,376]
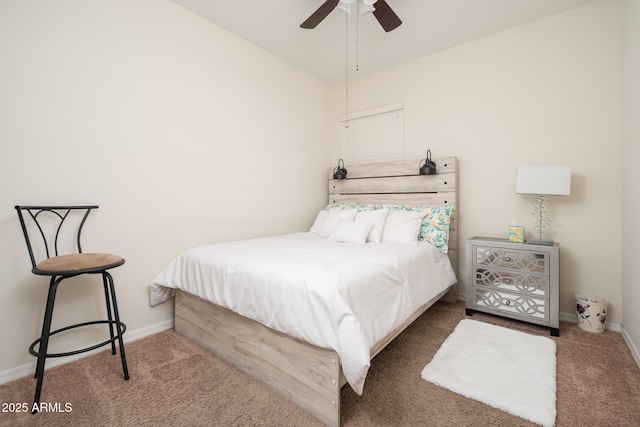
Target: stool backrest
[48,221]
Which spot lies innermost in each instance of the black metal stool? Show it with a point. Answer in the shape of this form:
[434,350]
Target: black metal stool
[48,221]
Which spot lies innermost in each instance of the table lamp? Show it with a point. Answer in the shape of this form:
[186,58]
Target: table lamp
[543,181]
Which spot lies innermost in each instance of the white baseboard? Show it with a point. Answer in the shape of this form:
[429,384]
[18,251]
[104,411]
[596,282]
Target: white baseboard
[571,317]
[631,345]
[30,368]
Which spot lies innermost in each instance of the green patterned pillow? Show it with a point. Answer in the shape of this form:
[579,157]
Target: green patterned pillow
[435,227]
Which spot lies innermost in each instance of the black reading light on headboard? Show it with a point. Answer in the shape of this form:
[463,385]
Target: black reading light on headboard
[429,167]
[340,172]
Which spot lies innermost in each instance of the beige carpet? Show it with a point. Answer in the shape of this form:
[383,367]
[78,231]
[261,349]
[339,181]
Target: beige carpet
[175,383]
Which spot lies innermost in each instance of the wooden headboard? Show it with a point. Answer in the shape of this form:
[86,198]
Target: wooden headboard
[400,183]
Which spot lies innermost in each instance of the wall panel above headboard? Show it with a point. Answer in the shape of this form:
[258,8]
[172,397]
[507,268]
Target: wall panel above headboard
[400,183]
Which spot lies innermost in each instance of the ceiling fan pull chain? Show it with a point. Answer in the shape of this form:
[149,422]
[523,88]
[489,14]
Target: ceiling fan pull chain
[357,36]
[346,70]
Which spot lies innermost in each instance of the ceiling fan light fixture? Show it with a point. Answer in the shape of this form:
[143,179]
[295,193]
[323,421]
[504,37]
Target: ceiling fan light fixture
[345,6]
[382,12]
[365,8]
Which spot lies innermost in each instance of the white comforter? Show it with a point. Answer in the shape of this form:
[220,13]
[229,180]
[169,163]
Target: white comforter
[334,295]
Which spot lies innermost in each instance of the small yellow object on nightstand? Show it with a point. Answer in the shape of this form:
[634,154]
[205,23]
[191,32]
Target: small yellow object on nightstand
[516,234]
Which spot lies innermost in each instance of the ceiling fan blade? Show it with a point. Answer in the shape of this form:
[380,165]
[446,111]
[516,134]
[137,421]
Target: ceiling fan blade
[317,16]
[385,16]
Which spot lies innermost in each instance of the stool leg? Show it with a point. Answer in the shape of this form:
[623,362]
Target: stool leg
[44,340]
[117,319]
[107,299]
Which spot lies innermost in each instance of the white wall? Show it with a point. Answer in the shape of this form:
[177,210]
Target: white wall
[185,134]
[547,93]
[631,170]
[182,132]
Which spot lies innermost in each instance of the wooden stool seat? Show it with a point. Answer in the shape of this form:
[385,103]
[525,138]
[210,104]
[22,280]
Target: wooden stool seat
[77,264]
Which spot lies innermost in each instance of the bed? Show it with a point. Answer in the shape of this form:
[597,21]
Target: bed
[266,307]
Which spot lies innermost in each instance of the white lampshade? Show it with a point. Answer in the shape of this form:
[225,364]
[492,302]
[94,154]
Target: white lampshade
[547,180]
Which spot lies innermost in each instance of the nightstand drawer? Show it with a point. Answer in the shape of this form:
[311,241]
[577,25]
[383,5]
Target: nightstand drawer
[513,259]
[511,281]
[501,302]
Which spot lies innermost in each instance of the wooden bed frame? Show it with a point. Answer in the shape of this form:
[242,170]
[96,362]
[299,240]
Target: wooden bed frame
[307,375]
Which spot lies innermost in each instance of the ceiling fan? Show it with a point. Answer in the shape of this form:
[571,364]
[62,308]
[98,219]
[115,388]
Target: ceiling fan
[381,10]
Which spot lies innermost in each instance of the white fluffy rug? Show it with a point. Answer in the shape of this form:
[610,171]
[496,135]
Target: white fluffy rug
[503,368]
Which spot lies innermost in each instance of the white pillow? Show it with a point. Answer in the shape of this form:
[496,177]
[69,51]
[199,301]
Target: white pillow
[351,232]
[402,226]
[317,224]
[376,218]
[332,219]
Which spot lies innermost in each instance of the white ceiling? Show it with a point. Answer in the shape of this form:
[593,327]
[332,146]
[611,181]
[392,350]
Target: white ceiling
[428,26]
